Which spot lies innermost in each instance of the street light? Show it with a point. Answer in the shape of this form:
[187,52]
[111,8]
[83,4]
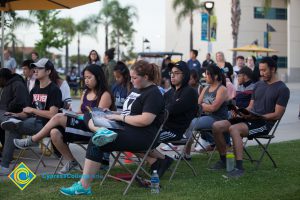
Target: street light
[145,40]
[209,6]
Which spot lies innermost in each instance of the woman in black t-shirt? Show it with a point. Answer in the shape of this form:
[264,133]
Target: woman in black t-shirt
[140,117]
[225,66]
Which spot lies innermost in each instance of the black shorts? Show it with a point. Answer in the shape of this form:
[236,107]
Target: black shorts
[76,130]
[168,135]
[256,127]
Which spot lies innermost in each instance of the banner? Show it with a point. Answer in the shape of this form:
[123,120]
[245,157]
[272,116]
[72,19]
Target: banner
[213,28]
[204,27]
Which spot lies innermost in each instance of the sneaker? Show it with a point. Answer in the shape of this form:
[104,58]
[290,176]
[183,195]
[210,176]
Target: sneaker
[235,173]
[219,165]
[76,189]
[4,171]
[23,143]
[186,157]
[164,164]
[69,166]
[103,136]
[168,148]
[11,124]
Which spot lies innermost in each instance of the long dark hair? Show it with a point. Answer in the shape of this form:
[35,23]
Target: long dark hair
[213,70]
[89,58]
[124,71]
[101,80]
[54,77]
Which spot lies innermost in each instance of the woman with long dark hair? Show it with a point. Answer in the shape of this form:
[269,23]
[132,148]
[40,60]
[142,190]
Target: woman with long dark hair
[64,129]
[94,58]
[212,102]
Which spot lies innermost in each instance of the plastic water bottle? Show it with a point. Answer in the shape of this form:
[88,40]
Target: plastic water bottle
[229,161]
[154,182]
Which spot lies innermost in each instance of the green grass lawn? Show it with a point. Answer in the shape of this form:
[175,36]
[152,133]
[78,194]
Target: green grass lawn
[265,183]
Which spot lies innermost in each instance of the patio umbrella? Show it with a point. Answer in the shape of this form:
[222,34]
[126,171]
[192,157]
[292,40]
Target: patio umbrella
[253,48]
[10,5]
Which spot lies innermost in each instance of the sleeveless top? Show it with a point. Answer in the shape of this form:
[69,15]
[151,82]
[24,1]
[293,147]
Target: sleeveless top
[86,102]
[209,98]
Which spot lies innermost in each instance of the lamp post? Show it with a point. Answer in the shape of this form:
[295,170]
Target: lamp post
[209,5]
[145,40]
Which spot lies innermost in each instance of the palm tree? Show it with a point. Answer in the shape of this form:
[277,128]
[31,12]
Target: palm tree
[187,7]
[235,24]
[14,22]
[105,16]
[68,29]
[122,23]
[86,27]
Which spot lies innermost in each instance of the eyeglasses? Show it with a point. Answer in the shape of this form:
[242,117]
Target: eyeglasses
[175,73]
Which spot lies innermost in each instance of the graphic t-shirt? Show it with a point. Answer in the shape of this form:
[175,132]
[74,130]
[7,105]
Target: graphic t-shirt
[120,93]
[45,98]
[144,100]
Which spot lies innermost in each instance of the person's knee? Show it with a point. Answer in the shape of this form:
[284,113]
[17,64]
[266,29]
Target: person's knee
[217,126]
[55,135]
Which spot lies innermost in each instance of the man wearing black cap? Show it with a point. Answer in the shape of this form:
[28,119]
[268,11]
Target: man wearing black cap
[45,100]
[182,104]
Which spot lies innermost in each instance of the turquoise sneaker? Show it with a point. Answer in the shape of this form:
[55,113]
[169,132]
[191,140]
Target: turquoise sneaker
[76,189]
[103,136]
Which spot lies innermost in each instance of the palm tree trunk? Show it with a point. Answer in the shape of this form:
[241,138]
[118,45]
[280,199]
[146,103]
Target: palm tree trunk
[78,55]
[235,23]
[118,44]
[191,30]
[106,37]
[67,59]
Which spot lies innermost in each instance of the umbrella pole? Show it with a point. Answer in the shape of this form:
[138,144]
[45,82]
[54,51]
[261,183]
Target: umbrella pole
[2,38]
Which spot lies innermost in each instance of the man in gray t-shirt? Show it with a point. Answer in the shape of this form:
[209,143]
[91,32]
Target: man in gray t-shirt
[269,99]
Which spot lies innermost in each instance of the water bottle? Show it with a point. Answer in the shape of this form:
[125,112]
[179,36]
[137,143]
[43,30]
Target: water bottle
[229,161]
[154,182]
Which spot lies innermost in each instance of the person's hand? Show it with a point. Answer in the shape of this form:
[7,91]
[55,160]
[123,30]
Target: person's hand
[234,114]
[28,110]
[9,113]
[114,117]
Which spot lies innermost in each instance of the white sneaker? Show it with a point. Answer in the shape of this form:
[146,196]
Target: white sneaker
[4,171]
[69,166]
[167,148]
[11,124]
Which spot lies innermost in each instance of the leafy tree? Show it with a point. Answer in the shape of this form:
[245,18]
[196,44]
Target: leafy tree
[52,36]
[186,9]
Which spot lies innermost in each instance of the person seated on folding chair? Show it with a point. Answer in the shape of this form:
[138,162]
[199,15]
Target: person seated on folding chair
[269,100]
[45,101]
[181,102]
[66,129]
[213,104]
[13,98]
[141,117]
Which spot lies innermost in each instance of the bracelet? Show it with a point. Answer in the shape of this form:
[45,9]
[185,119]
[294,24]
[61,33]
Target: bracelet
[124,118]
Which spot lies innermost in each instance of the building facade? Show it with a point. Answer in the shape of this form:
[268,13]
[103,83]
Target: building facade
[282,16]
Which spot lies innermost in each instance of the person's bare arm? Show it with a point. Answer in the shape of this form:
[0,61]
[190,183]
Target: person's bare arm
[142,120]
[42,113]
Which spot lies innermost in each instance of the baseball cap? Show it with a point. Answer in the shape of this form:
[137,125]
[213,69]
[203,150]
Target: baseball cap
[43,63]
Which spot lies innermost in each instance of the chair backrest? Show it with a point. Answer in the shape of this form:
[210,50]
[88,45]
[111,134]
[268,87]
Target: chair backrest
[165,118]
[273,130]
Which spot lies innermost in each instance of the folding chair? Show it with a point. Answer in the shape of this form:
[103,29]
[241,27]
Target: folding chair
[140,163]
[78,143]
[39,158]
[196,137]
[184,142]
[263,147]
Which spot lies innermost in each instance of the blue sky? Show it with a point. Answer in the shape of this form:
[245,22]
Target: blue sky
[150,25]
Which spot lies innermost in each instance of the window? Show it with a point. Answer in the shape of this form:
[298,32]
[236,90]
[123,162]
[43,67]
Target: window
[271,13]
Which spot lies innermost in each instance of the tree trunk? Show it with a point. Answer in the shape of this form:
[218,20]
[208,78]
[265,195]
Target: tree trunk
[191,31]
[78,55]
[106,37]
[235,23]
[13,48]
[67,59]
[118,45]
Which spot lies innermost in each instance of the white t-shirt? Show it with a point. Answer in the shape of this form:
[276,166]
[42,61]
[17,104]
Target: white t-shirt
[66,93]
